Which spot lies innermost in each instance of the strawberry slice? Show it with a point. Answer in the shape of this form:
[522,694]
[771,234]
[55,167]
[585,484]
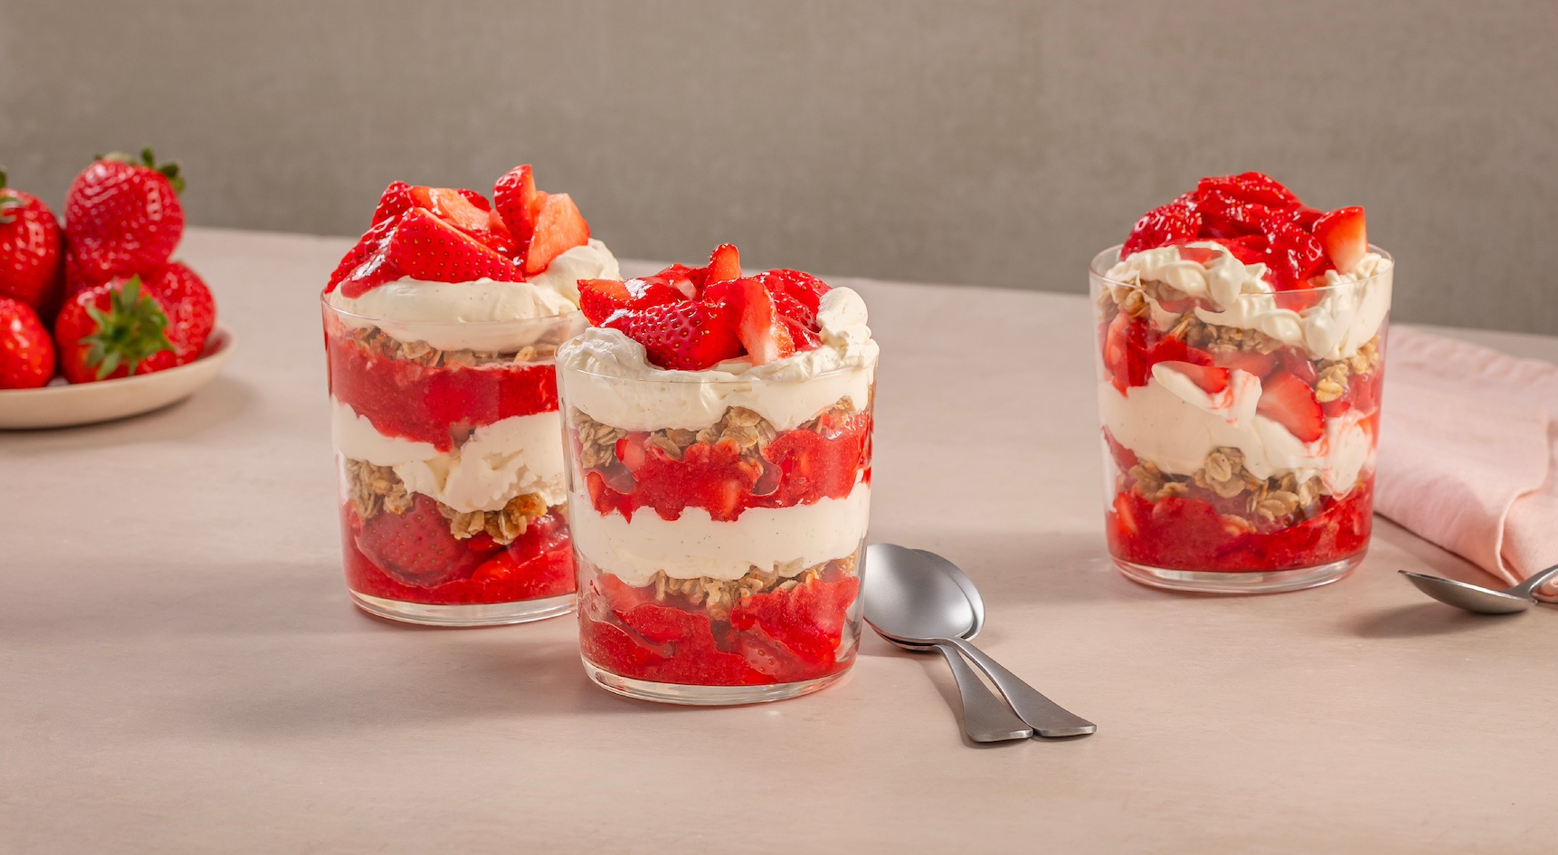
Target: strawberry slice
[599,299]
[559,228]
[1125,352]
[761,328]
[1211,379]
[724,265]
[394,201]
[1250,361]
[367,265]
[416,546]
[1172,223]
[427,248]
[806,289]
[518,204]
[1173,349]
[686,335]
[1256,187]
[1344,237]
[1298,365]
[1296,257]
[1290,402]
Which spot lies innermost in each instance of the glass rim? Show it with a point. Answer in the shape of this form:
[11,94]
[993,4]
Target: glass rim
[513,323]
[681,377]
[1113,252]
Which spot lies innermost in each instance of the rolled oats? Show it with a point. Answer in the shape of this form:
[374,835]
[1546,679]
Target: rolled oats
[719,596]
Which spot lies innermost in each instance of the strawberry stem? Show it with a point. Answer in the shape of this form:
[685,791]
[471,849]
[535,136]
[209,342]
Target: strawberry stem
[8,201]
[169,170]
[132,330]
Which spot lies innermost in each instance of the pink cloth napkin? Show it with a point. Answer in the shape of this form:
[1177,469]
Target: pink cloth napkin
[1468,452]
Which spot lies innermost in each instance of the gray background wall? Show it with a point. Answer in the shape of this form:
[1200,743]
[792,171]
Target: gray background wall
[983,142]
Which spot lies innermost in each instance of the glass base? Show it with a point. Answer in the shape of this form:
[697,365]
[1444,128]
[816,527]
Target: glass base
[1254,582]
[704,696]
[476,614]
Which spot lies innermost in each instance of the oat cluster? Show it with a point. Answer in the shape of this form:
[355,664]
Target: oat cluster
[750,432]
[719,596]
[376,489]
[382,344]
[1223,473]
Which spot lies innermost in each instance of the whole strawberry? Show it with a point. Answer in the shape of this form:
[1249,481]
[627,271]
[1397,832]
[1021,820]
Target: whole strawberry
[112,330]
[122,217]
[187,302]
[26,351]
[31,246]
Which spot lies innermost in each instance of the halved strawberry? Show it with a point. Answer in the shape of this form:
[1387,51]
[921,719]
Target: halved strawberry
[416,546]
[559,228]
[518,204]
[804,287]
[1296,257]
[1344,237]
[1250,361]
[599,299]
[367,265]
[630,450]
[685,335]
[1210,378]
[1291,403]
[1297,364]
[394,201]
[1125,516]
[427,248]
[1125,352]
[761,329]
[724,264]
[1173,349]
[1177,221]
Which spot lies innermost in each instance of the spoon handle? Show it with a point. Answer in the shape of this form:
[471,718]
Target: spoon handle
[1048,718]
[1528,588]
[986,718]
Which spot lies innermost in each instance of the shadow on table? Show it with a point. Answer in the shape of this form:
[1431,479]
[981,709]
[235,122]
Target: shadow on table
[1427,618]
[221,402]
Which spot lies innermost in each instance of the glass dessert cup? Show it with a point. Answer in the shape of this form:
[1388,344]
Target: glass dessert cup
[718,526]
[447,446]
[1239,445]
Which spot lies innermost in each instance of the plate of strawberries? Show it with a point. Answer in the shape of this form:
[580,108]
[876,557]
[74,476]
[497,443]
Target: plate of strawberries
[97,321]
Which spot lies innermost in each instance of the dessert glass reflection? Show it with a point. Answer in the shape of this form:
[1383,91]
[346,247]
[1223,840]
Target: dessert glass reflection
[440,331]
[719,481]
[1240,356]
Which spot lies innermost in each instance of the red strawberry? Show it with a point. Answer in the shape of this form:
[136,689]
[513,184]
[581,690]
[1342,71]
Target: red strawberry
[1291,403]
[559,228]
[112,330]
[1254,187]
[26,350]
[1249,249]
[31,245]
[599,299]
[367,265]
[518,204]
[1177,221]
[1251,361]
[427,248]
[1125,352]
[724,265]
[1344,237]
[1125,516]
[467,211]
[416,546]
[1295,257]
[761,328]
[189,306]
[1228,218]
[1298,365]
[394,201]
[1211,379]
[1173,349]
[685,335]
[122,217]
[804,288]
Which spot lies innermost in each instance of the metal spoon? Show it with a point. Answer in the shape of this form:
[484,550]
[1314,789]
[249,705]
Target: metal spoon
[1475,598]
[917,600]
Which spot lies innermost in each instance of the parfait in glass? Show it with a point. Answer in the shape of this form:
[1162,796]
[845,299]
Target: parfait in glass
[1240,354]
[440,330]
[719,441]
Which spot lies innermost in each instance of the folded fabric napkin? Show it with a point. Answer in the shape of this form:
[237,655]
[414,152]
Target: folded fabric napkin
[1468,452]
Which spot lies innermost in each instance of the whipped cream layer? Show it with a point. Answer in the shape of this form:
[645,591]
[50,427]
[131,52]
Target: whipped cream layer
[630,393]
[1350,313]
[508,458]
[1173,423]
[469,315]
[787,540]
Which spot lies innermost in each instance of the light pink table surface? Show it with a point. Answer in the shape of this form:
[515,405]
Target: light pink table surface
[180,670]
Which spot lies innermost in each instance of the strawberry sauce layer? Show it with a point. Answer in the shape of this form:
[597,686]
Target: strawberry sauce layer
[768,638]
[800,467]
[416,563]
[1191,533]
[433,404]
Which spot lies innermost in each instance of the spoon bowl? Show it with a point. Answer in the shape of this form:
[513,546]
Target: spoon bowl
[1476,598]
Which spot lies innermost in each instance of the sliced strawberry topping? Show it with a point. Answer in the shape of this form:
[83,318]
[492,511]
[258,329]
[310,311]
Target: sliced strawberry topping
[1172,223]
[687,335]
[367,265]
[761,329]
[1295,258]
[427,248]
[1344,237]
[395,200]
[804,288]
[1254,187]
[559,228]
[724,265]
[1291,403]
[599,299]
[518,204]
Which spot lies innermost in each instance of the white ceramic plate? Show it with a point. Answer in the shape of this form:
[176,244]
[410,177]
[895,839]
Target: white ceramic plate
[65,405]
